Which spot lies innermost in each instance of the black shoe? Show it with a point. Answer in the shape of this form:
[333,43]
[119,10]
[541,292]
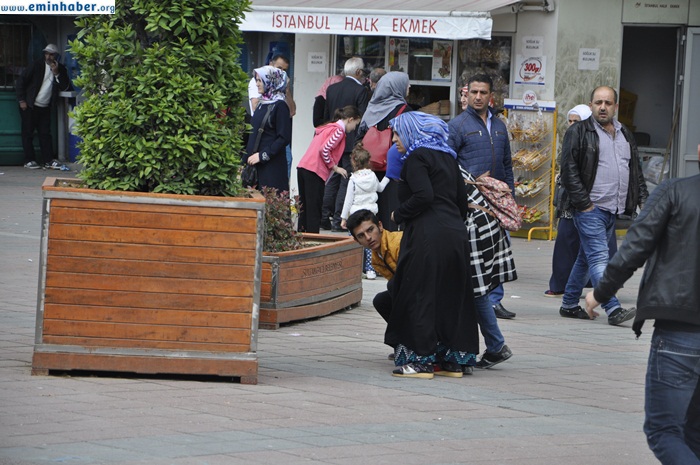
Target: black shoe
[414,370]
[576,312]
[467,370]
[391,356]
[488,360]
[502,313]
[326,225]
[621,315]
[449,369]
[338,229]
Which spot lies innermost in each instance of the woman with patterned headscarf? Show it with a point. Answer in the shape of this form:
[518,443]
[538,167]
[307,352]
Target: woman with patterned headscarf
[433,320]
[272,120]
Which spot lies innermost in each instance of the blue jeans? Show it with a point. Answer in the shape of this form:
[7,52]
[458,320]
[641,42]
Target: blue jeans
[486,317]
[288,150]
[672,404]
[594,230]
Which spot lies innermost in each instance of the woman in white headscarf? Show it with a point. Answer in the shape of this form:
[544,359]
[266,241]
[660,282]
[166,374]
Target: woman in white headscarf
[578,113]
[567,242]
[272,117]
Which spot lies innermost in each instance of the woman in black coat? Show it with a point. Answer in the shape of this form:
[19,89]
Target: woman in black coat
[273,117]
[433,320]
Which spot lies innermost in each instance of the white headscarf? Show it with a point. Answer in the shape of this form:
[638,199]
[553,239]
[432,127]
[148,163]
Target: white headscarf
[583,111]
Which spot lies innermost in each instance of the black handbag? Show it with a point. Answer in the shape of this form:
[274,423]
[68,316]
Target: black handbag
[249,174]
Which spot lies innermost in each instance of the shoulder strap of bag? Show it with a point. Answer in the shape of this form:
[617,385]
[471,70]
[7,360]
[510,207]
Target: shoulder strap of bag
[261,129]
[400,110]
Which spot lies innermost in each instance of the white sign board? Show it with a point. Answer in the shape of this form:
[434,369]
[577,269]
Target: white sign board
[533,46]
[317,62]
[655,11]
[589,59]
[530,70]
[398,25]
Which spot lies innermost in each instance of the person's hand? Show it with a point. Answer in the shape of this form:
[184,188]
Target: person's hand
[254,159]
[589,209]
[22,105]
[341,171]
[344,224]
[54,67]
[591,304]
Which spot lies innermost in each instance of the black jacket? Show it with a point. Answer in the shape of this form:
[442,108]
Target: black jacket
[29,82]
[579,165]
[665,235]
[343,93]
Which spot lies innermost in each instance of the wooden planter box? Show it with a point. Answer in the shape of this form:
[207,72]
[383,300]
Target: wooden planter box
[149,283]
[311,282]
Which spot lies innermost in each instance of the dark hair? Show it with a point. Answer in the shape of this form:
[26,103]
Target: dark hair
[359,157]
[600,87]
[481,78]
[277,57]
[359,217]
[349,111]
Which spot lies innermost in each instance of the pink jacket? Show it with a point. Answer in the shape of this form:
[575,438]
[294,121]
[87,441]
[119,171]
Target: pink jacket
[325,150]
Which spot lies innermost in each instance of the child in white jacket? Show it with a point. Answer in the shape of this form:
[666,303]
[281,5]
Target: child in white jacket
[363,187]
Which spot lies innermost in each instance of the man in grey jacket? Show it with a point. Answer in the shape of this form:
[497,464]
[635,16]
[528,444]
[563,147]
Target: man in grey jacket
[666,236]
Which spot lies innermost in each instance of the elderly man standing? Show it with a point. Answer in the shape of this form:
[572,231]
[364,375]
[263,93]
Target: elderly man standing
[602,175]
[37,89]
[481,142]
[350,91]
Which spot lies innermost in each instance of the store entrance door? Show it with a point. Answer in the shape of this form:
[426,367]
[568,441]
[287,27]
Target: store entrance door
[649,95]
[690,110]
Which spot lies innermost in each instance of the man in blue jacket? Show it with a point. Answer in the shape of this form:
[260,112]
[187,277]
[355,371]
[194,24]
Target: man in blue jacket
[481,142]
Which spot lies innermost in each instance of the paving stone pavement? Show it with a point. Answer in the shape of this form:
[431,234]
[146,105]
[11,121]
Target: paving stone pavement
[571,394]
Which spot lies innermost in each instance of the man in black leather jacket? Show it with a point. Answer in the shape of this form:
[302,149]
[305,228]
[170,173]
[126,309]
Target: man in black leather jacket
[602,176]
[37,89]
[666,236]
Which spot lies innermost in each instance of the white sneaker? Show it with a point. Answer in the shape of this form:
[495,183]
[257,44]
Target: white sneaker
[32,165]
[371,274]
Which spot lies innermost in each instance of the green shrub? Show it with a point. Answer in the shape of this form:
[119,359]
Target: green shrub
[158,77]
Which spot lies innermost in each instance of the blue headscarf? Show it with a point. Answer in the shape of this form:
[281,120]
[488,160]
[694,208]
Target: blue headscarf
[417,129]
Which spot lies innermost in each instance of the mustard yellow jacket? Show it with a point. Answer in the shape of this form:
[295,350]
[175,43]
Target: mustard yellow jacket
[384,261]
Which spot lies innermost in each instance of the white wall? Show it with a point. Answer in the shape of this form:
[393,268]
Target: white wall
[306,86]
[538,24]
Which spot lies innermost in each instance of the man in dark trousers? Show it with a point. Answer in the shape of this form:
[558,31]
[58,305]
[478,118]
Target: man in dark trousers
[666,236]
[37,89]
[482,145]
[349,91]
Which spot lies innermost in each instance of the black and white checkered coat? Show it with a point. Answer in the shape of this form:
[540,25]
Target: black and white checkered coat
[491,258]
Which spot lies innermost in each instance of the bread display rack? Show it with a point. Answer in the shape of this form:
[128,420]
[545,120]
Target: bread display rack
[533,147]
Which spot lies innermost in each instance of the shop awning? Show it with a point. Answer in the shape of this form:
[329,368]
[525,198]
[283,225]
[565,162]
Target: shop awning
[456,19]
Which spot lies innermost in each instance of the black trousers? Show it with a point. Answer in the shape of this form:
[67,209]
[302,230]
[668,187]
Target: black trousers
[36,119]
[383,303]
[311,188]
[334,195]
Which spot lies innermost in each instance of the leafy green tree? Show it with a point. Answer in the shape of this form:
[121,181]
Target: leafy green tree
[158,77]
